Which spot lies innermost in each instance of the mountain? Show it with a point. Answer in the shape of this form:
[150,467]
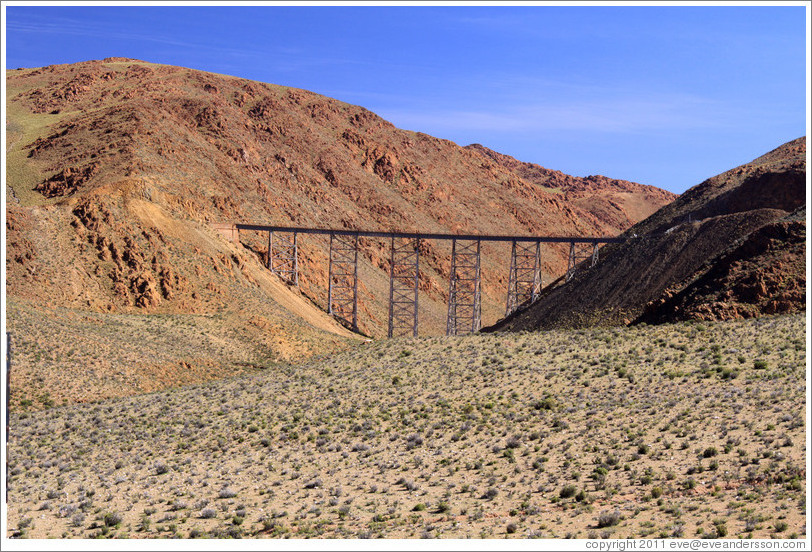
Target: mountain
[118,169]
[730,247]
[618,204]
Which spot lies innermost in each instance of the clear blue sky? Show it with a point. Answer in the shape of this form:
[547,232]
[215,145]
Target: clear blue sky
[660,95]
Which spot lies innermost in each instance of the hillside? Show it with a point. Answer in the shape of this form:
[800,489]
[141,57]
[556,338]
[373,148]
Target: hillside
[763,273]
[730,247]
[618,204]
[117,170]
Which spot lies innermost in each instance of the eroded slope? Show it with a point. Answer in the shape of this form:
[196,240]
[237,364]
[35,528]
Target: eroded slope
[732,219]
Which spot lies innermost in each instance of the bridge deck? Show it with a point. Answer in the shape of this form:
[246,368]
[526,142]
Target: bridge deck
[430,236]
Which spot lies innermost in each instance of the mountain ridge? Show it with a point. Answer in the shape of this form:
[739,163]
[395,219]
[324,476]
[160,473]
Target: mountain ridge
[617,203]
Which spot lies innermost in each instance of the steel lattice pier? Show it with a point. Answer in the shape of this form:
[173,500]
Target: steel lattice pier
[464,308]
[283,256]
[342,291]
[580,252]
[524,281]
[403,287]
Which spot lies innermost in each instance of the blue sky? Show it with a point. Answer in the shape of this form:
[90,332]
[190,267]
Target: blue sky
[659,95]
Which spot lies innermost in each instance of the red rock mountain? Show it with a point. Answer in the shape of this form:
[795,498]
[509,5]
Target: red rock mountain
[618,204]
[117,170]
[730,247]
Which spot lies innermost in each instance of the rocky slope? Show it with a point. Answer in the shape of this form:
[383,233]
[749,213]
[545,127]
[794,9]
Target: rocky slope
[763,273]
[731,247]
[117,170]
[618,204]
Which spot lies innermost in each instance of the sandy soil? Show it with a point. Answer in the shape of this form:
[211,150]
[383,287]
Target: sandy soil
[684,430]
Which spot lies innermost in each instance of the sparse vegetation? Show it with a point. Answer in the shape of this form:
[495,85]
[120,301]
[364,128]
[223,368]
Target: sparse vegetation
[459,448]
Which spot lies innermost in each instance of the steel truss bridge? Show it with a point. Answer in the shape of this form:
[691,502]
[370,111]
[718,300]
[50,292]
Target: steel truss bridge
[464,311]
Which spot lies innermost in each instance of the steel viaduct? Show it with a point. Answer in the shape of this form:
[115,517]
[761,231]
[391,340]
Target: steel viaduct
[524,281]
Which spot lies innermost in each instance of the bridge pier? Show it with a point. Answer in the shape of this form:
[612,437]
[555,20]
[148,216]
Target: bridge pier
[524,281]
[283,256]
[464,309]
[403,287]
[577,256]
[342,288]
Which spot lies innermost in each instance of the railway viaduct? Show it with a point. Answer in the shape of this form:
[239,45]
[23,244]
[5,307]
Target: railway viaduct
[524,281]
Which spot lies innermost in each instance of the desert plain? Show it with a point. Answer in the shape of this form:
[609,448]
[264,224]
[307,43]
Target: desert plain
[692,429]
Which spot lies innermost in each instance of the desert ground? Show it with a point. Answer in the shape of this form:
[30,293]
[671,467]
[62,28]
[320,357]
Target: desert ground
[677,430]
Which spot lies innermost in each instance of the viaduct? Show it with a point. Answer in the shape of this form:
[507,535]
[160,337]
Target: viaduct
[524,281]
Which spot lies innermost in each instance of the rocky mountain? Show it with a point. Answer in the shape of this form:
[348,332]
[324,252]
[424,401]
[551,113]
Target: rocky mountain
[730,247]
[618,204]
[118,169]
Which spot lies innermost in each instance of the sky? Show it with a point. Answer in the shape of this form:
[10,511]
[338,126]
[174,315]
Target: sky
[656,94]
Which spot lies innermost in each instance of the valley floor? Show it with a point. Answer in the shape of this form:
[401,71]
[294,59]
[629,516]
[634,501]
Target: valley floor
[684,430]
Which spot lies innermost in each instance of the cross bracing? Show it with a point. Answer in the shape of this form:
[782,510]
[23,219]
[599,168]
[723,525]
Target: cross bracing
[582,255]
[342,289]
[404,279]
[524,280]
[464,296]
[282,258]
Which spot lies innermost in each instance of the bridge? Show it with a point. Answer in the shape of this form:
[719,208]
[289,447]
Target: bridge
[524,280]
